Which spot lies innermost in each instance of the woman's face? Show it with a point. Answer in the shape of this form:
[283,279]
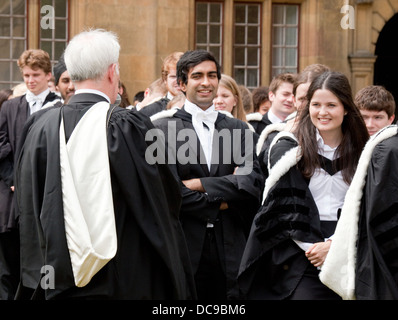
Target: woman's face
[326,112]
[224,100]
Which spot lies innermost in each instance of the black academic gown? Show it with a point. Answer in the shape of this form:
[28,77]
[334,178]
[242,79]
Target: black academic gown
[155,107]
[377,258]
[13,115]
[151,260]
[241,192]
[273,264]
[259,126]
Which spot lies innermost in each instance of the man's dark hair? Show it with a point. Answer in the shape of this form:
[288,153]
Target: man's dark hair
[192,58]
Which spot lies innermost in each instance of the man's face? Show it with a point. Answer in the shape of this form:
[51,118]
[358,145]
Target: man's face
[282,100]
[376,120]
[301,95]
[35,80]
[65,86]
[171,82]
[201,87]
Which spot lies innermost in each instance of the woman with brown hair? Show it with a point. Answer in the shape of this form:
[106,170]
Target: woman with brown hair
[310,172]
[229,98]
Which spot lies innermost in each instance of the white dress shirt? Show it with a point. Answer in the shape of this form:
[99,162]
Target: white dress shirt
[328,191]
[36,102]
[273,118]
[205,134]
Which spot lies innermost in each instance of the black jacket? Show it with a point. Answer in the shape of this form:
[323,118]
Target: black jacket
[241,192]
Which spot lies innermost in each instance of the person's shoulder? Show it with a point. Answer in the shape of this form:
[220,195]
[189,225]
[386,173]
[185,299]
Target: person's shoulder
[254,117]
[385,141]
[13,102]
[282,143]
[155,107]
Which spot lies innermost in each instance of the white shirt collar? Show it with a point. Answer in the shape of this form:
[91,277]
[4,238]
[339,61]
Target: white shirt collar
[324,149]
[41,96]
[100,93]
[193,109]
[272,117]
[169,95]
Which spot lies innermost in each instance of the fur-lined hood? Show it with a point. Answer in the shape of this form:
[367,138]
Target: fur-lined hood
[287,161]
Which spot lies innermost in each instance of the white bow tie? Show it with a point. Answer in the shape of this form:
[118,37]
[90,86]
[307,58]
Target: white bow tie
[209,117]
[30,97]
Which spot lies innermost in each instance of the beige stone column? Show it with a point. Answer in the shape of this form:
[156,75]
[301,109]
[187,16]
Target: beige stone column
[362,68]
[362,58]
[33,24]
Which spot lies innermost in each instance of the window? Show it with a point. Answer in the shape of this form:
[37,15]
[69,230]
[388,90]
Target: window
[209,21]
[284,38]
[247,44]
[12,40]
[54,40]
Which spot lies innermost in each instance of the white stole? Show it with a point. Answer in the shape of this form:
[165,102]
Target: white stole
[87,195]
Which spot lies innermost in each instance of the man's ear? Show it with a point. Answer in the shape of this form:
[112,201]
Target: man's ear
[271,96]
[112,72]
[183,87]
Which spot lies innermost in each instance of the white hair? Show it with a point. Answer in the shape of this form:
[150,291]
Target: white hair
[90,53]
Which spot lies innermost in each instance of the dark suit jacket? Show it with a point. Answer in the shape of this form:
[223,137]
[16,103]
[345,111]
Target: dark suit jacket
[13,115]
[241,192]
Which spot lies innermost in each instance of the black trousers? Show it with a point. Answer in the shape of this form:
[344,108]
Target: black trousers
[210,278]
[9,264]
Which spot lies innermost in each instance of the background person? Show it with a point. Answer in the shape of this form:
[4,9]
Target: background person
[377,106]
[35,67]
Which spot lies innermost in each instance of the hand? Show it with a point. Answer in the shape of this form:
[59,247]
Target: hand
[12,188]
[317,253]
[223,206]
[194,184]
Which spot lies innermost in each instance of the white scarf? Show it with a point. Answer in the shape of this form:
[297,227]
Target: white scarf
[87,195]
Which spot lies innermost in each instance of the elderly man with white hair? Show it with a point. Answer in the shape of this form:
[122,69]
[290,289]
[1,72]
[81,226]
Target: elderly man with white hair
[97,221]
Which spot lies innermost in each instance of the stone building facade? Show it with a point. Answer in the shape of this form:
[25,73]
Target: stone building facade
[254,39]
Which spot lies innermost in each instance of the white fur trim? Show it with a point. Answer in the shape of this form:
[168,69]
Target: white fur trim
[338,270]
[163,114]
[255,116]
[288,160]
[228,114]
[50,104]
[250,127]
[265,133]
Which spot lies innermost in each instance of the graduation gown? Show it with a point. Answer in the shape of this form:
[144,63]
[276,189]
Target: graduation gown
[258,121]
[155,107]
[273,264]
[241,192]
[377,258]
[151,261]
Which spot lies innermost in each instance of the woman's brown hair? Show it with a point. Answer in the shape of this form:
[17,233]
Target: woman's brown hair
[355,134]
